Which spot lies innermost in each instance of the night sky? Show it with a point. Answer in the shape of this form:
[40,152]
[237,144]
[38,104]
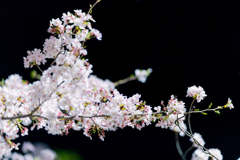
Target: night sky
[185,42]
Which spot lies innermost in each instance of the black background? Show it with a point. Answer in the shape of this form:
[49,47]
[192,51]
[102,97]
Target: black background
[185,43]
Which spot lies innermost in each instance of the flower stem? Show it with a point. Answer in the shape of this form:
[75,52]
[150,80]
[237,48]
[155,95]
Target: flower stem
[123,81]
[178,146]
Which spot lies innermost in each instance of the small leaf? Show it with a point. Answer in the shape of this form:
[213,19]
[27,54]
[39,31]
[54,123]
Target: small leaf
[196,110]
[204,113]
[210,105]
[218,112]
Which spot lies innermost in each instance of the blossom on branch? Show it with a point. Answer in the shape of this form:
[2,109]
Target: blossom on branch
[196,92]
[199,139]
[67,97]
[216,152]
[143,74]
[198,154]
[229,104]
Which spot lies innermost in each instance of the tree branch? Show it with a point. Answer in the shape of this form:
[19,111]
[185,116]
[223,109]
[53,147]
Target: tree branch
[123,81]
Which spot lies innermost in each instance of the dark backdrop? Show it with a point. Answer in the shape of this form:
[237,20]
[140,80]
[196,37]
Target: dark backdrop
[185,43]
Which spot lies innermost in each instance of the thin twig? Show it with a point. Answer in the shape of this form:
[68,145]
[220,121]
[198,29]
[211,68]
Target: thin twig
[123,81]
[39,68]
[57,54]
[89,13]
[23,116]
[201,111]
[189,123]
[92,6]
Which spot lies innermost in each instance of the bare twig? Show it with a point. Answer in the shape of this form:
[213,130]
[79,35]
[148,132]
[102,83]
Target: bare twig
[123,81]
[92,6]
[89,11]
[189,123]
[39,68]
[54,60]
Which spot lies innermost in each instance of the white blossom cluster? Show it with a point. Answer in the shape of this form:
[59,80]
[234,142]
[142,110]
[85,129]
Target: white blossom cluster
[65,44]
[174,111]
[198,154]
[68,97]
[199,138]
[196,92]
[142,74]
[229,104]
[31,152]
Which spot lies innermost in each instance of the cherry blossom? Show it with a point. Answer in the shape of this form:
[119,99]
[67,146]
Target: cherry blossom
[198,154]
[31,152]
[229,104]
[196,92]
[217,153]
[175,128]
[68,97]
[143,74]
[199,138]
